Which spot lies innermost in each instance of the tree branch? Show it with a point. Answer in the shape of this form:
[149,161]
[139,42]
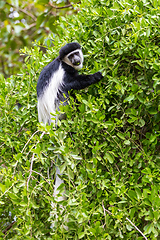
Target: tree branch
[66,6]
[9,227]
[30,170]
[23,10]
[105,210]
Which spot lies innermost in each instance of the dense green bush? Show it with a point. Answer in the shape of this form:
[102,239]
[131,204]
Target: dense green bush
[109,145]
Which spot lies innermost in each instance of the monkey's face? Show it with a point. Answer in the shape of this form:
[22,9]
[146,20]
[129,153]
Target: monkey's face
[74,59]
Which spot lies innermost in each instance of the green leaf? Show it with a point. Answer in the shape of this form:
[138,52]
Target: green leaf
[152,111]
[139,193]
[2,187]
[40,19]
[132,212]
[129,99]
[109,157]
[152,138]
[81,235]
[120,135]
[42,1]
[132,194]
[127,142]
[148,228]
[141,123]
[13,196]
[148,32]
[70,173]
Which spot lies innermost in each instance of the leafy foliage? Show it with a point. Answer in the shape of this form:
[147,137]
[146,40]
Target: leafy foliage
[108,148]
[22,23]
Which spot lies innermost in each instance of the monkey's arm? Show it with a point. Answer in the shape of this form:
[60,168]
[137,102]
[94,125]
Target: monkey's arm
[83,81]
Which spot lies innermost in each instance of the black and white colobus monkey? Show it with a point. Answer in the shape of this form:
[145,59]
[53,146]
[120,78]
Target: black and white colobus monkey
[54,83]
[58,78]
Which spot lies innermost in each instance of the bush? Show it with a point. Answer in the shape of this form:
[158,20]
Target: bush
[108,147]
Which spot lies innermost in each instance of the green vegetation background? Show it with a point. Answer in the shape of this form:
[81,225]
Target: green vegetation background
[109,146]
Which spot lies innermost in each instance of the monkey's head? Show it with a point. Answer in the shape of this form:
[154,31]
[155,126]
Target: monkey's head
[72,55]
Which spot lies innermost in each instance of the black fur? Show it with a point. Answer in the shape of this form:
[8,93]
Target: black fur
[74,81]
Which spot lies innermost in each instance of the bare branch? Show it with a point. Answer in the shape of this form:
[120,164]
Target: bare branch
[28,27]
[42,177]
[9,227]
[42,186]
[23,10]
[30,170]
[29,140]
[105,210]
[66,6]
[136,228]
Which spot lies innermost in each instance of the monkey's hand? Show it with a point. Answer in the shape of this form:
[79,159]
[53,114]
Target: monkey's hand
[97,76]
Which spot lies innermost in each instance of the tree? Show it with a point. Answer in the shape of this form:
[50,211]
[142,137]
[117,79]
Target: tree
[25,22]
[109,143]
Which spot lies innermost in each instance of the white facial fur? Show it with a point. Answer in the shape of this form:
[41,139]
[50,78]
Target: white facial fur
[67,61]
[46,102]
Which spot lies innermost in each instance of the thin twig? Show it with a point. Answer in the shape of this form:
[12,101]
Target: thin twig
[32,159]
[105,210]
[2,145]
[42,177]
[35,144]
[9,227]
[25,147]
[9,189]
[136,228]
[29,140]
[28,27]
[117,168]
[115,141]
[23,10]
[66,6]
[42,186]
[30,170]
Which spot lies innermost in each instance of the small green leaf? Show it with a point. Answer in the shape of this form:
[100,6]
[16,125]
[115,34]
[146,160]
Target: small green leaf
[15,190]
[152,138]
[62,167]
[127,142]
[43,1]
[81,235]
[120,135]
[40,19]
[152,111]
[2,187]
[139,193]
[140,98]
[141,122]
[129,99]
[109,157]
[148,32]
[70,173]
[132,194]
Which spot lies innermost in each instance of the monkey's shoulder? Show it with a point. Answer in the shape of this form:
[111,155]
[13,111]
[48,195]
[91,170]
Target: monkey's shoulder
[49,69]
[46,75]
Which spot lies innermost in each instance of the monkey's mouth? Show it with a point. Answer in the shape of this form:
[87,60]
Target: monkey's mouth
[77,63]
